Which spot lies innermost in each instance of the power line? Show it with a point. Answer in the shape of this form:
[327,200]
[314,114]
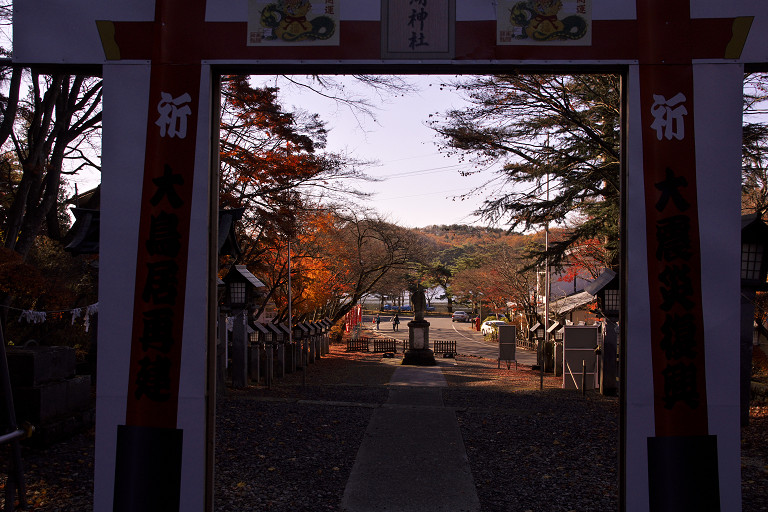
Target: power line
[424,194]
[410,158]
[431,170]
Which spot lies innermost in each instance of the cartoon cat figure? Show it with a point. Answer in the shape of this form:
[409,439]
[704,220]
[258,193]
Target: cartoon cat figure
[288,21]
[545,23]
[539,21]
[294,23]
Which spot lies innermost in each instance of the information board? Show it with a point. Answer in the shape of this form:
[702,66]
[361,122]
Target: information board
[507,344]
[579,344]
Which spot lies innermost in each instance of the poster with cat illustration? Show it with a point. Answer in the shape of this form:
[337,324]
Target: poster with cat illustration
[293,22]
[544,22]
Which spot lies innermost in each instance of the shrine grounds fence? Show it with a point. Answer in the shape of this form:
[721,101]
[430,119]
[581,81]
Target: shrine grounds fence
[392,346]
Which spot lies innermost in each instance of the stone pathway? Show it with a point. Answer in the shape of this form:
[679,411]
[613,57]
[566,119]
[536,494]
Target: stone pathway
[412,457]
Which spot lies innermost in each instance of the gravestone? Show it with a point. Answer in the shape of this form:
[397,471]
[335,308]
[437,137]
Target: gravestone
[47,392]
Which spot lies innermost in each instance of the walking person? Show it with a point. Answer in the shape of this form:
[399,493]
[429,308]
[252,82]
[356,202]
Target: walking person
[378,321]
[395,322]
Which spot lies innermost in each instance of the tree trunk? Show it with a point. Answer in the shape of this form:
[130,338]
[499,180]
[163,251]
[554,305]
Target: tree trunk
[9,116]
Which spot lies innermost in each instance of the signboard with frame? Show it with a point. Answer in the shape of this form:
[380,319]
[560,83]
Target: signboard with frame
[579,343]
[507,344]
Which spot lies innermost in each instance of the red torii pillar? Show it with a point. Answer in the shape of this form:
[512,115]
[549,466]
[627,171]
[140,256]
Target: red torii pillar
[682,456]
[160,455]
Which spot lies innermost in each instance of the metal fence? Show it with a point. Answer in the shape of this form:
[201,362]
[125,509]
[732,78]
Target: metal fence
[390,345]
[386,345]
[526,342]
[360,344]
[447,348]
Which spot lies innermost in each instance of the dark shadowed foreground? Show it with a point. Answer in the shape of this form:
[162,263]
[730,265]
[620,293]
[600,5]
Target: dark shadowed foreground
[292,447]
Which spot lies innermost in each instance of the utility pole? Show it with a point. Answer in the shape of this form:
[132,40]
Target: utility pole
[546,290]
[546,297]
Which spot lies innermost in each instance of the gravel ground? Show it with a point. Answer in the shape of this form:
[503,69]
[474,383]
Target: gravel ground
[531,450]
[292,447]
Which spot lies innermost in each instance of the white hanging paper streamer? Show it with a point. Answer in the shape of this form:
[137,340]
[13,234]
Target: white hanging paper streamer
[90,310]
[39,317]
[248,329]
[32,317]
[241,318]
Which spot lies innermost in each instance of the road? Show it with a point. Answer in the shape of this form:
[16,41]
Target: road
[468,340]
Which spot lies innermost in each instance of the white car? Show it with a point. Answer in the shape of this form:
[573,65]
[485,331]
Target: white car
[460,316]
[491,326]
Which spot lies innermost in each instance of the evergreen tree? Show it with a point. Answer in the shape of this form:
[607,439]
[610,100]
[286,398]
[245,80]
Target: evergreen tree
[554,142]
[562,134]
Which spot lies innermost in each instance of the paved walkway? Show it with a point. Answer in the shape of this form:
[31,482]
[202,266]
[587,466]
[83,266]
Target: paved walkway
[412,457]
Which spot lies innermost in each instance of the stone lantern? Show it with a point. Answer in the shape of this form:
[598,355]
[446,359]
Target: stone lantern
[754,268]
[260,340]
[278,335]
[240,295]
[554,338]
[241,288]
[305,341]
[537,331]
[259,333]
[607,289]
[754,252]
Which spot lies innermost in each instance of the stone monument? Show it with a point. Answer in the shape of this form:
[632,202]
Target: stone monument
[418,352]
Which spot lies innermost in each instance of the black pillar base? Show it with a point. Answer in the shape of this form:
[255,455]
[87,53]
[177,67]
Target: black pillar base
[148,469]
[682,474]
[419,357]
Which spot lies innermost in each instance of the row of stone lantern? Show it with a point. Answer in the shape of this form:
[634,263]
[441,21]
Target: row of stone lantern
[275,349]
[280,333]
[606,290]
[263,350]
[554,335]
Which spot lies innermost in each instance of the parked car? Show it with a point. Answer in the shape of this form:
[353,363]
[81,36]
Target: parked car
[460,316]
[491,326]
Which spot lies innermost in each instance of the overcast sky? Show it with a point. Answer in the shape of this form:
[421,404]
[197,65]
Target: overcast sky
[420,186]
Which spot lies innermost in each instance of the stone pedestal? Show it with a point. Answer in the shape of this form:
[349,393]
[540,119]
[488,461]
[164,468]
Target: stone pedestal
[608,370]
[239,368]
[418,352]
[48,393]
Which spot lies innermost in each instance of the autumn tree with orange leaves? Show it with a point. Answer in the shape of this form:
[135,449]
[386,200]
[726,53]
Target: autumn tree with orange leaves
[337,257]
[496,275]
[363,250]
[273,165]
[272,161]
